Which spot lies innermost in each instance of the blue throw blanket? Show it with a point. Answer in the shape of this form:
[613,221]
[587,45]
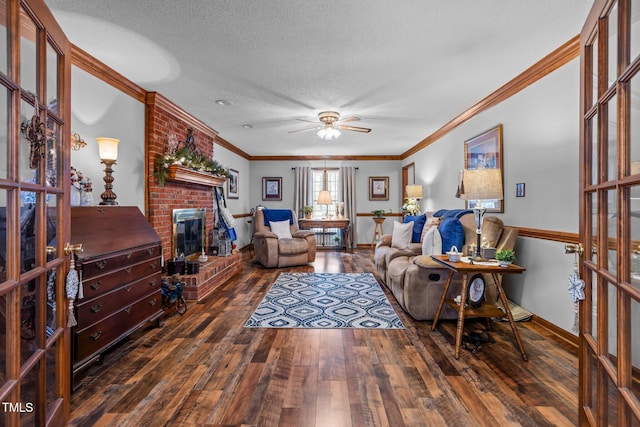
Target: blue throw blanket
[452,213]
[273,215]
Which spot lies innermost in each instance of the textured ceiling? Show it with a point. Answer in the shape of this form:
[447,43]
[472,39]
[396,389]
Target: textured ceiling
[404,67]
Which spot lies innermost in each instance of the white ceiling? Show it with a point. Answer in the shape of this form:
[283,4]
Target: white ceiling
[404,67]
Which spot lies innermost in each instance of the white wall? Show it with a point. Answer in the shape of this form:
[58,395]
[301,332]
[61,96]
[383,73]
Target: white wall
[99,110]
[540,148]
[390,168]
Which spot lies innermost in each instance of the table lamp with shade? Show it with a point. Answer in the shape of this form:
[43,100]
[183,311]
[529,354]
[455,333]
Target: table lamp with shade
[479,185]
[324,198]
[413,193]
[108,149]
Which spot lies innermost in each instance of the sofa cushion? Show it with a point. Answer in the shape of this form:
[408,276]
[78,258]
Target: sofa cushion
[281,229]
[292,246]
[432,242]
[401,236]
[418,225]
[452,234]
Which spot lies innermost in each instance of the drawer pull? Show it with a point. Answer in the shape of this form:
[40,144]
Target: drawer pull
[128,270]
[153,265]
[101,264]
[128,288]
[96,308]
[128,255]
[150,251]
[152,302]
[128,310]
[96,286]
[152,282]
[96,335]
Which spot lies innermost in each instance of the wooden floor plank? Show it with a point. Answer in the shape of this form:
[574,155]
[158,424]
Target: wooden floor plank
[205,368]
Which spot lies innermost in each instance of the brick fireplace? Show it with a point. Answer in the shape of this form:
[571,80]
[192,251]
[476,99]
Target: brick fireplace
[166,121]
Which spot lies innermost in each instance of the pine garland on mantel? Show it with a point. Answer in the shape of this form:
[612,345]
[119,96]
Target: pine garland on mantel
[187,158]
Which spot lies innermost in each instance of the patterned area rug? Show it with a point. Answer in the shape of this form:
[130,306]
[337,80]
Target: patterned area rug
[325,300]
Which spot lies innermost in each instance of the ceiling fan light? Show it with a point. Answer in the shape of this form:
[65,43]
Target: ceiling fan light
[328,133]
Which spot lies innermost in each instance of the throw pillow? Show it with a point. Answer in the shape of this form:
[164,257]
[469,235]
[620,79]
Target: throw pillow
[281,229]
[432,242]
[418,225]
[433,221]
[401,237]
[452,234]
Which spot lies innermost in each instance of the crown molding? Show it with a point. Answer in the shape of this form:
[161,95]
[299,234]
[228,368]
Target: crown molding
[325,157]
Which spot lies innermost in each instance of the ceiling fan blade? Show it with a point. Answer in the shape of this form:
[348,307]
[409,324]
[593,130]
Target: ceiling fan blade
[307,121]
[349,119]
[354,128]
[306,130]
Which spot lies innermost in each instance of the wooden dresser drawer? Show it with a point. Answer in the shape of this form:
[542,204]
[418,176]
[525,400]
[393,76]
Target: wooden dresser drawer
[98,266]
[99,336]
[99,285]
[96,309]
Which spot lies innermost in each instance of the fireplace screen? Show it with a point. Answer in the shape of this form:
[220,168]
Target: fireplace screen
[188,232]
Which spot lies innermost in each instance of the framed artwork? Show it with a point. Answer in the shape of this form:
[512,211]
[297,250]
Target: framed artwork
[233,185]
[378,188]
[484,151]
[272,188]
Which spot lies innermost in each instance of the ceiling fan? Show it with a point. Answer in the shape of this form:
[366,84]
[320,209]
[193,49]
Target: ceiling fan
[332,125]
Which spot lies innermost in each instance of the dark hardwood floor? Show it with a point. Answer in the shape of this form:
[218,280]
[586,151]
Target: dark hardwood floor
[205,368]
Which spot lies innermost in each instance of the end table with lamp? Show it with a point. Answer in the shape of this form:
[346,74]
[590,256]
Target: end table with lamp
[469,269]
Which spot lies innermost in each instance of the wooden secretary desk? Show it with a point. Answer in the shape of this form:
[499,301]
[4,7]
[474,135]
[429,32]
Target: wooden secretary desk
[121,279]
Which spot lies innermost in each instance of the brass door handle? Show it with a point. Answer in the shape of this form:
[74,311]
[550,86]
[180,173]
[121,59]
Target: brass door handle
[574,248]
[76,248]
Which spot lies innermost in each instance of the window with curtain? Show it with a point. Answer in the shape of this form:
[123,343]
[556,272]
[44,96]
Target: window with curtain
[318,184]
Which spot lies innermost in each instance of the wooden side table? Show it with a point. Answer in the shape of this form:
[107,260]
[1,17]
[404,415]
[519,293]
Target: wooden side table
[486,310]
[377,232]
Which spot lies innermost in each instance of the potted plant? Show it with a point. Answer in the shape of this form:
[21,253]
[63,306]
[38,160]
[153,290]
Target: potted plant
[505,257]
[307,211]
[379,212]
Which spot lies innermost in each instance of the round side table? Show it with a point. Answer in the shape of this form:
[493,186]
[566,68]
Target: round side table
[377,232]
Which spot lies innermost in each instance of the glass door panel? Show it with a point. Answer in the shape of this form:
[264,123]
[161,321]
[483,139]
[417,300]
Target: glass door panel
[612,139]
[593,144]
[612,24]
[635,29]
[593,48]
[612,232]
[52,78]
[4,46]
[4,132]
[28,53]
[635,348]
[634,123]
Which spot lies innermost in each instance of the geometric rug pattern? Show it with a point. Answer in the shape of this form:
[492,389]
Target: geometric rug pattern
[325,300]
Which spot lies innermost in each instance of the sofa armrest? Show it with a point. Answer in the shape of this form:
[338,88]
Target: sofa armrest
[385,240]
[508,238]
[301,234]
[265,235]
[425,261]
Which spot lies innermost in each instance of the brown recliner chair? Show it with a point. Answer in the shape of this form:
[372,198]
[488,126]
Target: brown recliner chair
[272,251]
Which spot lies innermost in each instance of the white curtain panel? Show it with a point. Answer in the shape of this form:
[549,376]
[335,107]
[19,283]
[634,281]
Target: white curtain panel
[347,179]
[302,195]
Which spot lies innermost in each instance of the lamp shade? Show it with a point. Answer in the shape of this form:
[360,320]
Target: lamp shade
[413,191]
[108,148]
[481,184]
[324,198]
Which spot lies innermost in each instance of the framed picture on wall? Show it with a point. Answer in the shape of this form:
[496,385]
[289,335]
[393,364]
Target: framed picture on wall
[378,188]
[484,151]
[272,188]
[233,186]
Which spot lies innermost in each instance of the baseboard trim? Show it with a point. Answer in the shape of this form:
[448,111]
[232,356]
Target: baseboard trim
[561,334]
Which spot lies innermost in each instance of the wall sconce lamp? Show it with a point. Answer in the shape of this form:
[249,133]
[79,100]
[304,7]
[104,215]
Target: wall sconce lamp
[77,142]
[479,185]
[108,148]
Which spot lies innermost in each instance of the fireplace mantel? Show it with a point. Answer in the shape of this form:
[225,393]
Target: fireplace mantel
[179,173]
